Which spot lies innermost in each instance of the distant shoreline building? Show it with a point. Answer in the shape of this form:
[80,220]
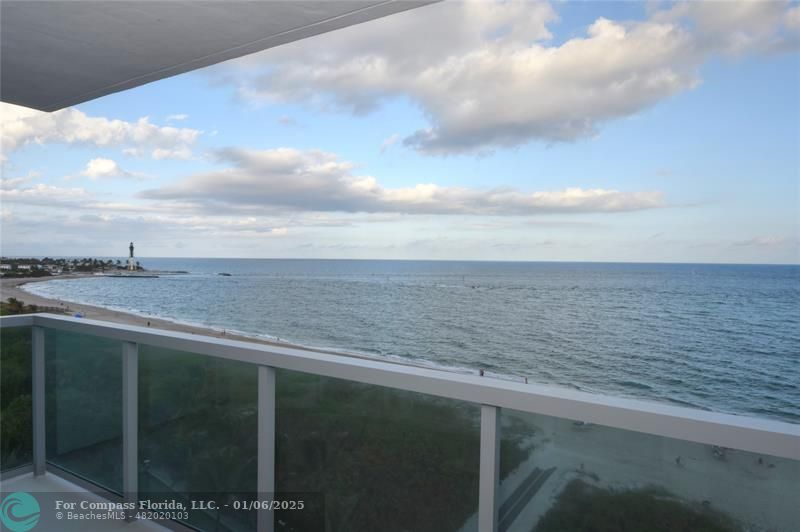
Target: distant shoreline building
[131,260]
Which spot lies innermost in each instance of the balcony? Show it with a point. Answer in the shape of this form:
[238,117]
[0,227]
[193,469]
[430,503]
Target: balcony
[135,414]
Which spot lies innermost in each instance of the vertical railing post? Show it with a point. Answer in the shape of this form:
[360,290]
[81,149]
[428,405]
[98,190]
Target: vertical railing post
[488,504]
[38,400]
[266,444]
[130,424]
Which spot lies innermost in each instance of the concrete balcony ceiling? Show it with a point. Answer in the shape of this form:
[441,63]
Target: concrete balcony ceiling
[56,54]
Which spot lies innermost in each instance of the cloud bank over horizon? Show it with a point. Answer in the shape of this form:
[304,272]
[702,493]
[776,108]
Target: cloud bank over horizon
[313,180]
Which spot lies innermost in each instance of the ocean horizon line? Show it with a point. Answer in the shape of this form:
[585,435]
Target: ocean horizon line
[487,261]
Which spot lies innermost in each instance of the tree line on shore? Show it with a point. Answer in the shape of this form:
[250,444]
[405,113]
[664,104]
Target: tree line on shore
[35,267]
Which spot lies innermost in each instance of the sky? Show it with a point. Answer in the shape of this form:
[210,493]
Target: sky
[560,131]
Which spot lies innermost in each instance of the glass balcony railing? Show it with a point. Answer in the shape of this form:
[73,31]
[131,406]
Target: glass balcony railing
[198,433]
[83,406]
[380,456]
[16,429]
[367,445]
[576,476]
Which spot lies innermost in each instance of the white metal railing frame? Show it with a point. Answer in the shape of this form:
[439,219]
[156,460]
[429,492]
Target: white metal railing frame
[756,435]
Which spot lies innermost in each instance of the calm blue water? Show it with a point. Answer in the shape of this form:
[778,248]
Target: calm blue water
[722,337]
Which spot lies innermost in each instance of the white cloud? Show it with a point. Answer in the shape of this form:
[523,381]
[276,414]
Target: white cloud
[177,117]
[486,76]
[294,180]
[46,195]
[104,168]
[182,152]
[21,126]
[8,183]
[18,191]
[737,27]
[75,213]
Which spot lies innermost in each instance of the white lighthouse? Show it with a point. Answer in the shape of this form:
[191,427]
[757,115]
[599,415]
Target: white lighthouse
[131,260]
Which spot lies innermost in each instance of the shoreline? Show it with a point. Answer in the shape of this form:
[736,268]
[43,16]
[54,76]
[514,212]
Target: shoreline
[616,456]
[12,287]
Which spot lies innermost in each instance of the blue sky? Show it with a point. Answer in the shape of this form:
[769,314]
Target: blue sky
[525,131]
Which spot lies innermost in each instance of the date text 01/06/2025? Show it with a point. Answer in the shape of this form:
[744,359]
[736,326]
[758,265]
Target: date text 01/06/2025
[267,504]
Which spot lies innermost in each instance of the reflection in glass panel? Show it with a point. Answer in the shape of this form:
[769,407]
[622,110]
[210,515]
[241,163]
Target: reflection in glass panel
[15,397]
[383,459]
[198,434]
[83,406]
[576,476]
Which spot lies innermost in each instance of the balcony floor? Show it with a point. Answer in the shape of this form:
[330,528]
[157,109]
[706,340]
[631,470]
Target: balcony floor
[50,483]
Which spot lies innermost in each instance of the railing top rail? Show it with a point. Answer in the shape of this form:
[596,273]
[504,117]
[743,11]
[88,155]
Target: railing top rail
[740,432]
[18,320]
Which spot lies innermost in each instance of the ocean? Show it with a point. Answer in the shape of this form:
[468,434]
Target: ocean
[717,337]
